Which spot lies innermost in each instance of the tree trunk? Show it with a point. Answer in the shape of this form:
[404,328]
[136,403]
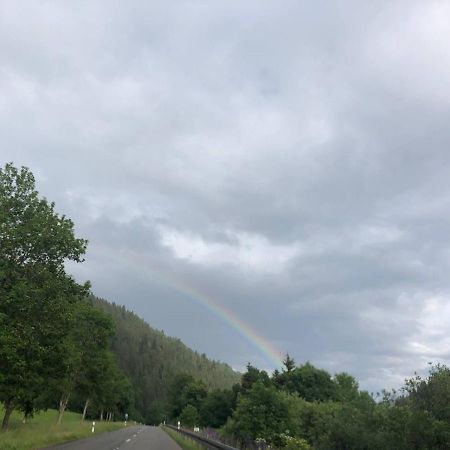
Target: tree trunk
[101,415]
[85,409]
[9,407]
[62,406]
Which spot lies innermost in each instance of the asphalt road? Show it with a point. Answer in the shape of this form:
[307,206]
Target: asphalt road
[130,438]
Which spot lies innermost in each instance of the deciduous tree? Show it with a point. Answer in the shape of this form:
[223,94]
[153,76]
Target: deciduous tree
[35,291]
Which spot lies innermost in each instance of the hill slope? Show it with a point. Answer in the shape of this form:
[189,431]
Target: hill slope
[151,360]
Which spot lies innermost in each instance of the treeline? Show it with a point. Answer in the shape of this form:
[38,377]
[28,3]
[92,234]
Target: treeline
[61,347]
[303,407]
[54,345]
[151,360]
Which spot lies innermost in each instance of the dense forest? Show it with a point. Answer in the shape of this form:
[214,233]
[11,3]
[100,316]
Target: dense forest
[151,360]
[303,408]
[54,345]
[61,347]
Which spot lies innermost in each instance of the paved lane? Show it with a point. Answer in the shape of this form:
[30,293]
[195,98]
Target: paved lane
[131,438]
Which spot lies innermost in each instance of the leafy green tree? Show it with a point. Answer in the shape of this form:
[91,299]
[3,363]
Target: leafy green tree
[251,376]
[347,387]
[216,408]
[431,394]
[176,393]
[185,390]
[262,413]
[86,343]
[352,425]
[35,291]
[194,394]
[308,382]
[157,413]
[189,417]
[114,393]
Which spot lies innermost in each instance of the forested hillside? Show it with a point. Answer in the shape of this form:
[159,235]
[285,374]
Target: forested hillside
[54,345]
[62,348]
[151,360]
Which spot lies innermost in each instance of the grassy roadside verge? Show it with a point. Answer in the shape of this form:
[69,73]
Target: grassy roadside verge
[41,431]
[184,442]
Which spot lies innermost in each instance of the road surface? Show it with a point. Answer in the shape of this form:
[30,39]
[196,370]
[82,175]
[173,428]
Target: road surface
[130,438]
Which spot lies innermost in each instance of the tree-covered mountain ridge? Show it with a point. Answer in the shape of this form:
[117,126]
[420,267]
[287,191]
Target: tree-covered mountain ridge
[151,360]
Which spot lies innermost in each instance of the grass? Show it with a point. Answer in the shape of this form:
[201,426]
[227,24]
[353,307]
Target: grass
[184,442]
[42,431]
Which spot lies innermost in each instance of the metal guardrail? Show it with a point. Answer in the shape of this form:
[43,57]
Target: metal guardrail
[205,441]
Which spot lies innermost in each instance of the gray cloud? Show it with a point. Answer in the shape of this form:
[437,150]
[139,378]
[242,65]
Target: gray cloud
[288,159]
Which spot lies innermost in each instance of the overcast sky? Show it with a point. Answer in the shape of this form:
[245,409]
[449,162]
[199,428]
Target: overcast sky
[289,159]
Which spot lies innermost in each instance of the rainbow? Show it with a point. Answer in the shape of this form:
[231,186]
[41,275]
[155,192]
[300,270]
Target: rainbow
[270,352]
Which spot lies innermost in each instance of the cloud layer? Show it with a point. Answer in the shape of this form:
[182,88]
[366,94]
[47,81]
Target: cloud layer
[291,160]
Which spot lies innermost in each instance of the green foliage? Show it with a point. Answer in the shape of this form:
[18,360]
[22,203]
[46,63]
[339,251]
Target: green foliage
[217,407]
[114,393]
[432,394]
[288,363]
[53,343]
[194,394]
[184,392]
[350,419]
[252,376]
[152,361]
[36,293]
[82,367]
[263,412]
[347,387]
[158,412]
[55,347]
[31,232]
[189,416]
[308,382]
[176,390]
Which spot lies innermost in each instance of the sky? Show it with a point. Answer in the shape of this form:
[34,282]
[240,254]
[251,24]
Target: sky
[254,177]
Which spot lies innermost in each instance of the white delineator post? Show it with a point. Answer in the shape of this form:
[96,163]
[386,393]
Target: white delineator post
[178,424]
[93,426]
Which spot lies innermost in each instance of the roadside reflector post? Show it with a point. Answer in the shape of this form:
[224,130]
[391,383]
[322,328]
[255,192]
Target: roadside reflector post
[178,424]
[93,426]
